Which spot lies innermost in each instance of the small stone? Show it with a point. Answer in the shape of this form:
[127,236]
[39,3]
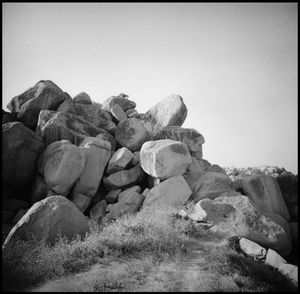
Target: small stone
[124,194]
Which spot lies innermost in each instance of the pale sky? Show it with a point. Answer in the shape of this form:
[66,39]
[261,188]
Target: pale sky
[234,64]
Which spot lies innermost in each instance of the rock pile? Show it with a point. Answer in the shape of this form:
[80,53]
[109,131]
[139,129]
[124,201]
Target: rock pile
[67,159]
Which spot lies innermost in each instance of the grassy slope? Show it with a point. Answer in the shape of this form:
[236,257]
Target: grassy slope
[150,251]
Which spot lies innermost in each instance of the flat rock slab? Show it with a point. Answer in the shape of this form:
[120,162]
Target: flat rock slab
[118,113]
[252,249]
[47,219]
[171,192]
[274,259]
[119,161]
[163,159]
[192,138]
[131,133]
[54,126]
[43,95]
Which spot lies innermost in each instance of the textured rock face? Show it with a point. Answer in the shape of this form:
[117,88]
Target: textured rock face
[119,161]
[47,219]
[171,192]
[43,95]
[269,230]
[20,150]
[124,178]
[252,249]
[54,126]
[61,164]
[131,133]
[124,102]
[192,138]
[82,98]
[169,112]
[274,259]
[164,158]
[264,191]
[97,154]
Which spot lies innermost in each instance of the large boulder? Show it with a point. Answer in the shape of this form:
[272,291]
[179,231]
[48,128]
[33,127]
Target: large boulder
[171,111]
[164,158]
[208,184]
[20,150]
[192,138]
[265,192]
[43,95]
[47,219]
[54,126]
[61,164]
[82,98]
[238,215]
[171,192]
[97,154]
[124,178]
[288,184]
[122,100]
[131,133]
[119,161]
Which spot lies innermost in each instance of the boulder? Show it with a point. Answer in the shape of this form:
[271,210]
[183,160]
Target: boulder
[171,192]
[54,126]
[192,138]
[265,192]
[274,259]
[194,167]
[112,196]
[61,164]
[48,218]
[81,201]
[97,154]
[39,189]
[170,111]
[124,178]
[118,113]
[98,211]
[119,161]
[82,98]
[164,158]
[8,117]
[20,150]
[108,138]
[269,230]
[43,95]
[123,101]
[289,270]
[131,133]
[252,249]
[125,194]
[208,184]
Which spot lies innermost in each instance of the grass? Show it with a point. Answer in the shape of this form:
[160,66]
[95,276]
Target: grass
[142,251]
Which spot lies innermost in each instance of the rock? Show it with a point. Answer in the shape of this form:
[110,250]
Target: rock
[8,117]
[112,196]
[288,184]
[97,154]
[136,158]
[130,205]
[264,191]
[47,219]
[118,113]
[194,167]
[124,194]
[192,138]
[109,207]
[209,185]
[204,164]
[131,133]
[197,154]
[216,169]
[171,192]
[108,138]
[169,112]
[119,161]
[132,113]
[39,189]
[98,211]
[164,158]
[145,192]
[43,95]
[81,201]
[20,150]
[125,103]
[152,181]
[124,178]
[19,215]
[290,270]
[14,204]
[274,259]
[7,216]
[252,249]
[269,230]
[54,126]
[82,98]
[100,195]
[61,164]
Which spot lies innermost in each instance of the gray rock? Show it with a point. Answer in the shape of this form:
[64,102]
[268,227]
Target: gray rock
[98,211]
[119,161]
[112,196]
[81,201]
[125,193]
[118,113]
[290,270]
[124,102]
[82,98]
[252,249]
[274,259]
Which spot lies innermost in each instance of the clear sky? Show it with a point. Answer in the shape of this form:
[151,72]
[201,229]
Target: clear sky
[235,65]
